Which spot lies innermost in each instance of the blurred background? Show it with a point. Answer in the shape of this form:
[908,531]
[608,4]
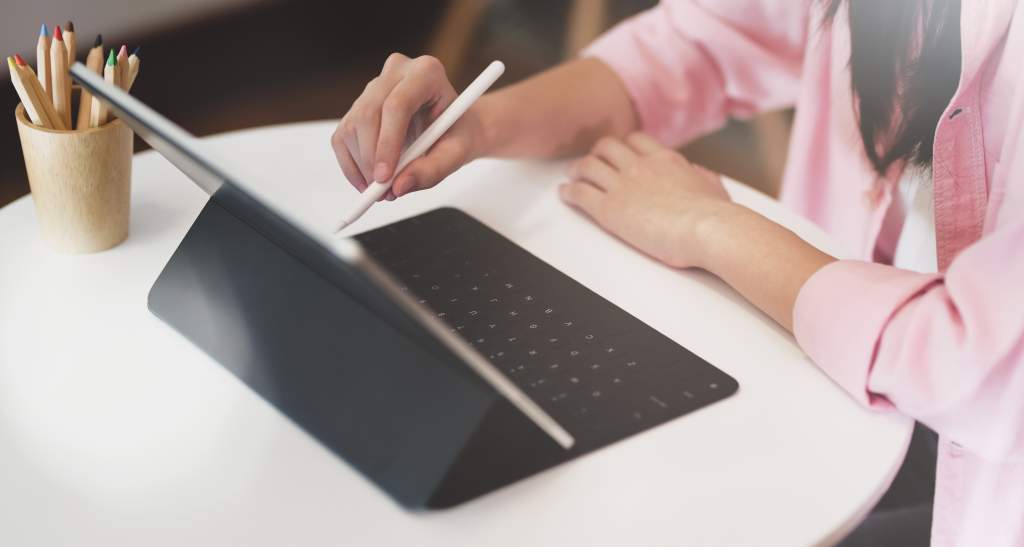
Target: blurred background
[221,65]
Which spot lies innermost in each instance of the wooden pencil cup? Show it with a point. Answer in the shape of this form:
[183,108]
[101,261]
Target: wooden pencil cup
[80,182]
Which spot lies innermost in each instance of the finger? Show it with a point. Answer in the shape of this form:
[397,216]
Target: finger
[614,152]
[594,170]
[643,144]
[366,142]
[365,116]
[583,196]
[351,170]
[394,62]
[397,112]
[352,142]
[345,161]
[707,172]
[442,160]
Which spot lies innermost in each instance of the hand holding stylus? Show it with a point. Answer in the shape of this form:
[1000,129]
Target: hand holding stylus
[369,138]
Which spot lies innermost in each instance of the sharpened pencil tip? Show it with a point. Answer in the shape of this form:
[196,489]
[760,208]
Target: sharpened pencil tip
[43,31]
[19,59]
[135,52]
[69,27]
[57,35]
[111,59]
[10,62]
[99,41]
[123,50]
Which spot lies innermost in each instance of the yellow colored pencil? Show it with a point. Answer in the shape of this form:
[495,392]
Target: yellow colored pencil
[27,99]
[34,91]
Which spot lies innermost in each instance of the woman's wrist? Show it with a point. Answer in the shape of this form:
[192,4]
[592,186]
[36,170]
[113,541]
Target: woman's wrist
[762,260]
[543,118]
[486,127]
[711,234]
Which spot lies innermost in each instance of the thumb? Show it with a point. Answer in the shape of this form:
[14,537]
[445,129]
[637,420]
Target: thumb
[441,160]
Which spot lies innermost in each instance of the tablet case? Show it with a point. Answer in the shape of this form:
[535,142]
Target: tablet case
[394,404]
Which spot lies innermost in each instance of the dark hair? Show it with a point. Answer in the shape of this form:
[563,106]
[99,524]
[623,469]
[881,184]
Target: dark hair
[905,60]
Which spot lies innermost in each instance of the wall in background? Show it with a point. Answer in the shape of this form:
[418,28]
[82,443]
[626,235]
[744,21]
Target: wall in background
[19,27]
[220,65]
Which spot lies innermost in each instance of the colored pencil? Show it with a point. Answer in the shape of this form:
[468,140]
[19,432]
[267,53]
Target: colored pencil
[43,58]
[34,89]
[32,107]
[95,63]
[100,113]
[60,79]
[71,42]
[122,67]
[134,61]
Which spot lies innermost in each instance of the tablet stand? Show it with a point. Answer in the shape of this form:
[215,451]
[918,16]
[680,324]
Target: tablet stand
[392,402]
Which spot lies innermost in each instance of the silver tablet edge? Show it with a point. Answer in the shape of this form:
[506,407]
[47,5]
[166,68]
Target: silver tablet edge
[212,171]
[353,253]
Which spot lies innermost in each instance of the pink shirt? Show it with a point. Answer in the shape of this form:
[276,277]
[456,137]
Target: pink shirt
[946,348]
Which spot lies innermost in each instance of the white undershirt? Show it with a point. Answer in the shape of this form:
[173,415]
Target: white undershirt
[915,249]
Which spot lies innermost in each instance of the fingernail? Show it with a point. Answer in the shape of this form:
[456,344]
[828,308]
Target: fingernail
[380,173]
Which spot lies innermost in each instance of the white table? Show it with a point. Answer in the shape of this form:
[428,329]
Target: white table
[116,431]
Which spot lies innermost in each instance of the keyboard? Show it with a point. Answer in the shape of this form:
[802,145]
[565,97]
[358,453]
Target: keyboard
[597,370]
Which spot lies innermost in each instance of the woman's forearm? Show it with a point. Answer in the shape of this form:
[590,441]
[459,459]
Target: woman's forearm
[564,111]
[558,113]
[763,261]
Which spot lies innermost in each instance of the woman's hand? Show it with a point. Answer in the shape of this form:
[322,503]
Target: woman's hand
[679,213]
[393,109]
[648,195]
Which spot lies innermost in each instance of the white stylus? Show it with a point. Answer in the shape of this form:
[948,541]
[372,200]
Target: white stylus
[427,139]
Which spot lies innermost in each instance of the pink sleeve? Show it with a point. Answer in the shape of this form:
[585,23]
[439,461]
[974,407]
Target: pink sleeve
[690,64]
[945,349]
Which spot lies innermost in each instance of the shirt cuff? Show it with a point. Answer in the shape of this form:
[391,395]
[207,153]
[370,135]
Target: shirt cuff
[841,313]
